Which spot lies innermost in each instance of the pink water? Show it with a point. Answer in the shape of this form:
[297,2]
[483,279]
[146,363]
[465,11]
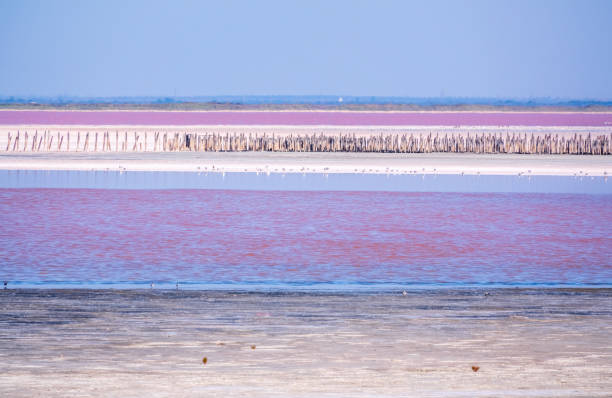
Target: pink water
[240,236]
[307,118]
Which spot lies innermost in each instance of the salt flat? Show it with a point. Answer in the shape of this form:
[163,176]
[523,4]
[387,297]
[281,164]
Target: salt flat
[105,343]
[296,162]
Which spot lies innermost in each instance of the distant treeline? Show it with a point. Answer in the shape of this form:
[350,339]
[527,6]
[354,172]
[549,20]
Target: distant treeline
[302,102]
[577,144]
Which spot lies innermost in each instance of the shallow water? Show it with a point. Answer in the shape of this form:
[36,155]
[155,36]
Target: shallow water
[305,182]
[302,239]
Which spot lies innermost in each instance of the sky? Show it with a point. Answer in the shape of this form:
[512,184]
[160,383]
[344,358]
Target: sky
[494,49]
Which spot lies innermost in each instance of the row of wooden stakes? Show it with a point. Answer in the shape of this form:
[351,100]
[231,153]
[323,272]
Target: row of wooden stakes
[238,142]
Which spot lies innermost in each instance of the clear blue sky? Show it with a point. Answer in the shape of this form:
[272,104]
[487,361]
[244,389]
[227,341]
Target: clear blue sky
[511,49]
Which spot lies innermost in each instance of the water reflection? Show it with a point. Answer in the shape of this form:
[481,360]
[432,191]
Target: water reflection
[272,238]
[304,182]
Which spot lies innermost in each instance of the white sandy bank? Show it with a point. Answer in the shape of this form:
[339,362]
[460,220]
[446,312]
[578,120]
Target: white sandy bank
[381,163]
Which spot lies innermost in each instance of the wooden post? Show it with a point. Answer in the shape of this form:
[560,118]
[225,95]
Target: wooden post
[16,142]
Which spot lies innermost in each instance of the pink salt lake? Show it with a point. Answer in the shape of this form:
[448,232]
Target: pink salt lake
[183,118]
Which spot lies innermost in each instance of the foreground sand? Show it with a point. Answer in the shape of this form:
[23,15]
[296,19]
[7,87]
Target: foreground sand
[528,343]
[440,163]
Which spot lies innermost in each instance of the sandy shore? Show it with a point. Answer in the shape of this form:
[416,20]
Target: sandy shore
[436,163]
[527,343]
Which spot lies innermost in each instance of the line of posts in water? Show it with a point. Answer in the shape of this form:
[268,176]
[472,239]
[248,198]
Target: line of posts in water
[239,142]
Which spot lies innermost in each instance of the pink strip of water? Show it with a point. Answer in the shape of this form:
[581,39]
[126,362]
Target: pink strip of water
[306,118]
[216,235]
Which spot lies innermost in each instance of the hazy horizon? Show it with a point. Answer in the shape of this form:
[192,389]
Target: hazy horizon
[441,49]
